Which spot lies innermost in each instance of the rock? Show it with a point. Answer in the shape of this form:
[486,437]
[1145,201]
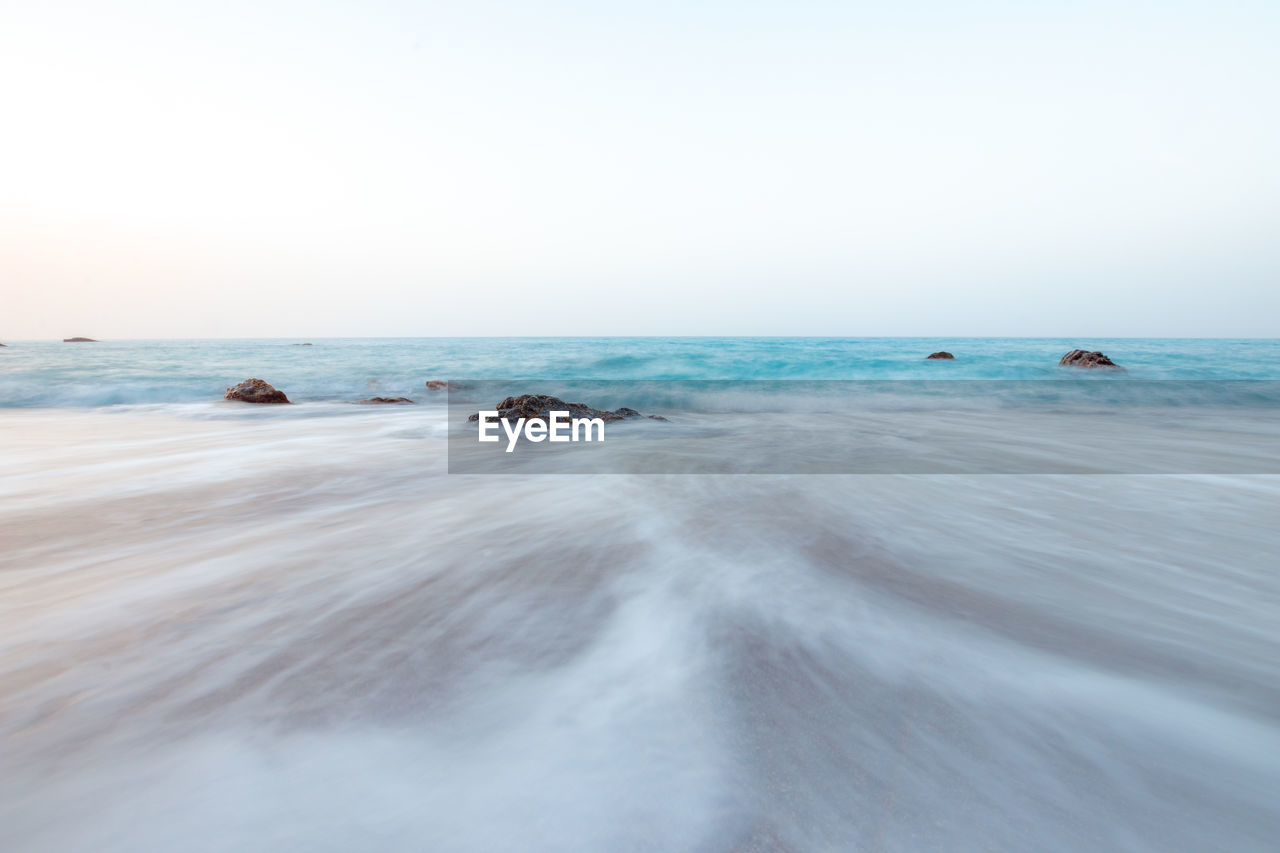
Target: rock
[1,345]
[538,407]
[442,385]
[255,391]
[386,400]
[299,345]
[79,341]
[943,354]
[1084,358]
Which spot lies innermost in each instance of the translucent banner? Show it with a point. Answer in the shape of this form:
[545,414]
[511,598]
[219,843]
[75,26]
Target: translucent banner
[1086,425]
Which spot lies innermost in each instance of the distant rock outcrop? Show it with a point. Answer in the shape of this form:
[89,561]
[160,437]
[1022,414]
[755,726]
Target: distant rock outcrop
[1,345]
[79,341]
[300,345]
[538,407]
[255,391]
[1084,358]
[386,400]
[442,385]
[939,355]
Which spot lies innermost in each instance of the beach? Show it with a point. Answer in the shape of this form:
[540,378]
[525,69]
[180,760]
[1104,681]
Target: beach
[234,627]
[639,428]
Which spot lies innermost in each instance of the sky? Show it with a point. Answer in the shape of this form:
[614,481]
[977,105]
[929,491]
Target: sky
[666,168]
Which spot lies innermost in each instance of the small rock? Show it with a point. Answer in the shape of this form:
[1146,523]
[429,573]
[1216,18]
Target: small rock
[255,391]
[943,354]
[1084,358]
[300,345]
[442,385]
[386,400]
[538,407]
[79,341]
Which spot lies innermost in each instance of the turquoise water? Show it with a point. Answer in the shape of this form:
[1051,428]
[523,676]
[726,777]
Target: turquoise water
[46,373]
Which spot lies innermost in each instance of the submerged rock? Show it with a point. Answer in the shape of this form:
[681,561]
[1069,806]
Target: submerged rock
[942,354]
[255,391]
[79,341]
[386,400]
[442,385]
[300,345]
[1084,358]
[1,345]
[538,407]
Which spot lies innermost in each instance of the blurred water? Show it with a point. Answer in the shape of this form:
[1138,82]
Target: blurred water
[121,372]
[231,627]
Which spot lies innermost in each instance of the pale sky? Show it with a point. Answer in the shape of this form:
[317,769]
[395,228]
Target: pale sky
[778,167]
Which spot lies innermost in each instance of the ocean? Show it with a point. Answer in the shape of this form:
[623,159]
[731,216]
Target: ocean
[48,373]
[843,598]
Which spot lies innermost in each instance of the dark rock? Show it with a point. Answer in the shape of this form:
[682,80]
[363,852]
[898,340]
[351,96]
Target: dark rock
[442,385]
[538,407]
[386,400]
[300,345]
[79,341]
[1084,358]
[255,391]
[939,355]
[1,345]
